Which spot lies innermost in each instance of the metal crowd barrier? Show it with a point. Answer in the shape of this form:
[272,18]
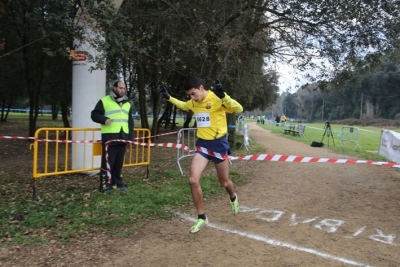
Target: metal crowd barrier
[350,134]
[59,151]
[186,136]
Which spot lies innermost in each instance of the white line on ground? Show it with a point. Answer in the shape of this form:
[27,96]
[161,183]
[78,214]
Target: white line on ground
[278,243]
[369,131]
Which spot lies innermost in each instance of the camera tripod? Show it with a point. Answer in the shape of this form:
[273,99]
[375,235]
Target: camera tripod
[328,133]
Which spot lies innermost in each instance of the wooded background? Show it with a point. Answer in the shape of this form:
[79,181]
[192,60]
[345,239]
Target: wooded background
[152,42]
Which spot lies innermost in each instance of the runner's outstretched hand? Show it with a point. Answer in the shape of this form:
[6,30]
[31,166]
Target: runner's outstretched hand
[164,92]
[219,91]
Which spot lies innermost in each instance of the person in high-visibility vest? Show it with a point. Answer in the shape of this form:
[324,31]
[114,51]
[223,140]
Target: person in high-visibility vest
[210,108]
[114,113]
[283,118]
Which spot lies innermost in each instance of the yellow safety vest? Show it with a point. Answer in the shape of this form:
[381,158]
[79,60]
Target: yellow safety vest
[118,114]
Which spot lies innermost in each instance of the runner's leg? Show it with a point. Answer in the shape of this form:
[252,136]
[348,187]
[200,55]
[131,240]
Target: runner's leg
[223,177]
[199,163]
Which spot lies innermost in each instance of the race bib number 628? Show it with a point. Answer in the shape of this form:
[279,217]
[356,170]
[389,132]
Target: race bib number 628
[203,119]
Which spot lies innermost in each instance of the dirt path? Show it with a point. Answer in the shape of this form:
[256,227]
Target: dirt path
[292,214]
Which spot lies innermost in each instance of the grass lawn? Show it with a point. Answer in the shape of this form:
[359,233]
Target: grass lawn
[342,139]
[70,205]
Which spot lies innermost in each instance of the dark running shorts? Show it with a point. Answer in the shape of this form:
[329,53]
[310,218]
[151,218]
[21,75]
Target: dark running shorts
[220,145]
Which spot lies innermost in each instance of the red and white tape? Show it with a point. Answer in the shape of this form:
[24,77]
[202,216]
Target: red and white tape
[172,145]
[256,157]
[48,140]
[259,157]
[299,159]
[71,141]
[147,137]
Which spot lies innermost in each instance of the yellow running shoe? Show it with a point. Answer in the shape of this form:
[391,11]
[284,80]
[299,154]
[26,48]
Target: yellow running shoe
[197,226]
[235,206]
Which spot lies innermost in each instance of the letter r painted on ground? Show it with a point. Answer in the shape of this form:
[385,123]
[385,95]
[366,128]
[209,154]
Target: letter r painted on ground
[380,237]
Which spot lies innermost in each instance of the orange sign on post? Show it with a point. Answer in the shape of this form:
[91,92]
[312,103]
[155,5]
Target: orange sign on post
[80,56]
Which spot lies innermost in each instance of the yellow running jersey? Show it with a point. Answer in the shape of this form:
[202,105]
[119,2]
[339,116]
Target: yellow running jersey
[210,114]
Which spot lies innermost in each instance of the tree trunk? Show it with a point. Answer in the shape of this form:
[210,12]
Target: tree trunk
[65,113]
[142,95]
[54,111]
[4,112]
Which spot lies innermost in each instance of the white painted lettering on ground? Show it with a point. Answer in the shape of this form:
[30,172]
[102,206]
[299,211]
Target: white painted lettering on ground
[274,215]
[381,237]
[327,225]
[278,243]
[295,220]
[359,231]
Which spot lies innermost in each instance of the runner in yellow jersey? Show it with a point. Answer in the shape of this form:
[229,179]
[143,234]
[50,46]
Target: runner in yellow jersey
[209,108]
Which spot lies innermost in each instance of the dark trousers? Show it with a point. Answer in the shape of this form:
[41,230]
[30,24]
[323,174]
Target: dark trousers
[116,154]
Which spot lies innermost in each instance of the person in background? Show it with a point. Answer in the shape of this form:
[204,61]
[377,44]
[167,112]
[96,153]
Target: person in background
[209,107]
[277,121]
[114,113]
[283,120]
